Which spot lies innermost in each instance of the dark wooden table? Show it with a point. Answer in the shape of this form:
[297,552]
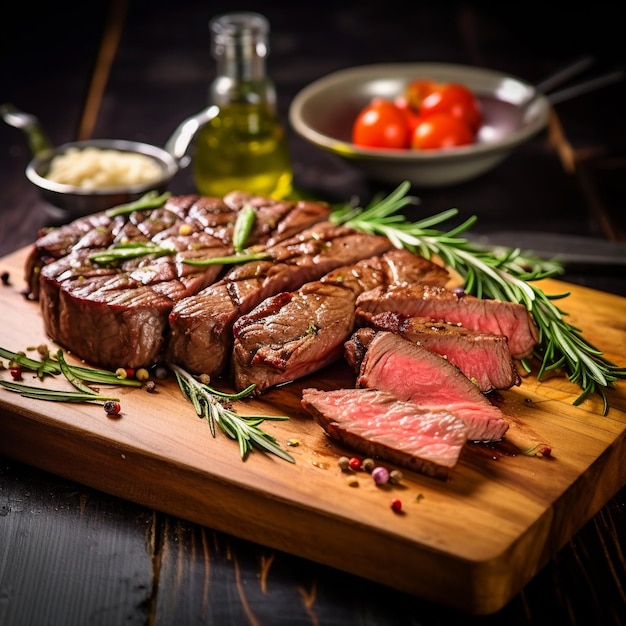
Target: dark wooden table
[70,555]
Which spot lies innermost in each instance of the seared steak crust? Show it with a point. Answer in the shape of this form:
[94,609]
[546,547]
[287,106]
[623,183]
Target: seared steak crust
[201,338]
[490,316]
[117,315]
[380,426]
[294,334]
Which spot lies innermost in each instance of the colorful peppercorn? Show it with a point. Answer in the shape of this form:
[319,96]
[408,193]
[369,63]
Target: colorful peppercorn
[368,465]
[344,463]
[395,477]
[355,463]
[380,475]
[111,407]
[396,505]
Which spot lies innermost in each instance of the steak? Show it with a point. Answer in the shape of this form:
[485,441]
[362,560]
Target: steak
[414,374]
[378,425]
[293,334]
[117,315]
[438,303]
[201,338]
[484,358]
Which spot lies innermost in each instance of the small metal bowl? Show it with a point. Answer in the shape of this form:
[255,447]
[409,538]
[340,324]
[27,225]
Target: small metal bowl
[513,111]
[76,201]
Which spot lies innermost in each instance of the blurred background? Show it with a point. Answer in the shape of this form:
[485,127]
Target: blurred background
[154,68]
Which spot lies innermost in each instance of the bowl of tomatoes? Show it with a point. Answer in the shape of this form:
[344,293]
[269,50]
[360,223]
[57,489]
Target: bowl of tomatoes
[433,124]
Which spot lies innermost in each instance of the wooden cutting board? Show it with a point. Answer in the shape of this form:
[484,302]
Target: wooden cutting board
[471,543]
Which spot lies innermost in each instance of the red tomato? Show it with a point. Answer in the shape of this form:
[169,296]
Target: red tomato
[402,103]
[382,124]
[456,100]
[417,90]
[440,130]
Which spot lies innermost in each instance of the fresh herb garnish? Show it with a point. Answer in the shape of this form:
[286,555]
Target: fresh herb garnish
[54,395]
[150,200]
[130,250]
[502,274]
[53,367]
[212,405]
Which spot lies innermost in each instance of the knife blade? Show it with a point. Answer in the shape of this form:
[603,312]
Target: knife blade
[569,250]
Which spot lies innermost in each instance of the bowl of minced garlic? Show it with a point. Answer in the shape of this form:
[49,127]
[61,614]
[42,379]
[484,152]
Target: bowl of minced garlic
[85,177]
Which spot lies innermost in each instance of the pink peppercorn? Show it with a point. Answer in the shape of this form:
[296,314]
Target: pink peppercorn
[380,475]
[396,505]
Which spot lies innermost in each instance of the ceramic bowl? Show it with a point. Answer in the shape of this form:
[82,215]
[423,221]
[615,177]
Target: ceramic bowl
[513,111]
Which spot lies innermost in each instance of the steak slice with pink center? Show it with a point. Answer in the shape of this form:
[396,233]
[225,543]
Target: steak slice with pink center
[378,425]
[414,374]
[490,316]
[484,358]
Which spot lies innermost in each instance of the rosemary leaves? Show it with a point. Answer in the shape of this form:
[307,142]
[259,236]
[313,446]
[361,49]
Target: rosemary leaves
[506,274]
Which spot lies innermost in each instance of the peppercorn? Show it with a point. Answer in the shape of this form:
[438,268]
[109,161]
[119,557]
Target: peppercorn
[142,374]
[396,505]
[5,278]
[368,465]
[395,477]
[111,407]
[344,463]
[380,475]
[355,463]
[16,373]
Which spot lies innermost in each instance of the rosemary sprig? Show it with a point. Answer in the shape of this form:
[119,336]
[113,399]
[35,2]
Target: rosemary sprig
[52,367]
[212,405]
[150,200]
[504,274]
[54,395]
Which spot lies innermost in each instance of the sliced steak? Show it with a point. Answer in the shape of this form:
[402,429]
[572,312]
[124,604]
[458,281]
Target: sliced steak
[414,374]
[378,425]
[294,334]
[483,357]
[117,315]
[201,338]
[490,316]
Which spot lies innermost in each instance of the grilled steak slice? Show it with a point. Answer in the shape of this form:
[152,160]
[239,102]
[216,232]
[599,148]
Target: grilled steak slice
[378,425]
[414,374]
[275,220]
[490,316]
[117,315]
[294,334]
[201,338]
[483,357]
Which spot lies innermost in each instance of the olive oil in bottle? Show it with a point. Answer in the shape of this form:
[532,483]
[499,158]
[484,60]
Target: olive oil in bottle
[243,147]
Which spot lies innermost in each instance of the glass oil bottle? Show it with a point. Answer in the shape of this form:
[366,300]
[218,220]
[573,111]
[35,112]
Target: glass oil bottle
[243,147]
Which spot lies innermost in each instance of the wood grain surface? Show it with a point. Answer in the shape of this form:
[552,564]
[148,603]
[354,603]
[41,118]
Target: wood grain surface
[472,542]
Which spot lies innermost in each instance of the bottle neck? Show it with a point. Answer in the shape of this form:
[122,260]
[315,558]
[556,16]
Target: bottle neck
[240,47]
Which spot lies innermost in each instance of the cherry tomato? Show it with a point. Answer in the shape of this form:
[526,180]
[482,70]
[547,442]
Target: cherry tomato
[456,100]
[440,130]
[417,90]
[413,117]
[382,124]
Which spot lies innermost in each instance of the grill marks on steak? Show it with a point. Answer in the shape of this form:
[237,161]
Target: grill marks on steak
[483,357]
[294,334]
[128,305]
[377,424]
[489,316]
[201,336]
[414,374]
